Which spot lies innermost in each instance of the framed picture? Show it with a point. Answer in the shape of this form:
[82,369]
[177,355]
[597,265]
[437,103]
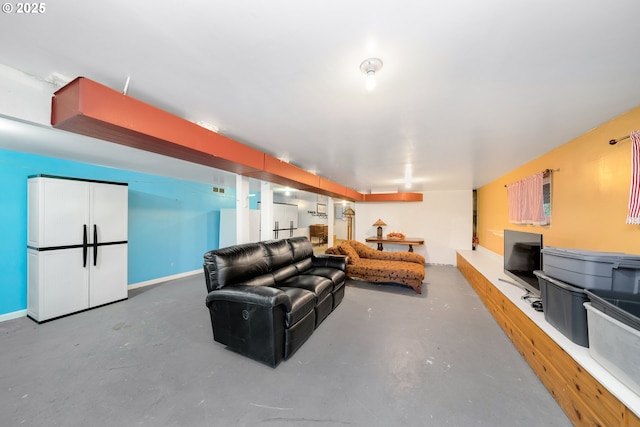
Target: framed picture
[321,209]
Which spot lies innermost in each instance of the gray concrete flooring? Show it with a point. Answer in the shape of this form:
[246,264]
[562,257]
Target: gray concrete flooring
[385,357]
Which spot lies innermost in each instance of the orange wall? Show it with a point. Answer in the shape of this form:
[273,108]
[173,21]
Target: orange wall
[590,193]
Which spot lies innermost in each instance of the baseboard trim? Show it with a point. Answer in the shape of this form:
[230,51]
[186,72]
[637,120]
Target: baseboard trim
[12,315]
[164,279]
[23,313]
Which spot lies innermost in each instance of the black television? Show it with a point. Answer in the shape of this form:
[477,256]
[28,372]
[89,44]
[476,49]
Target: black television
[522,256]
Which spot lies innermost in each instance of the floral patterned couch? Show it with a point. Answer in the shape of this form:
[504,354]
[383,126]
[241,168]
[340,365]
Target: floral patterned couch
[366,263]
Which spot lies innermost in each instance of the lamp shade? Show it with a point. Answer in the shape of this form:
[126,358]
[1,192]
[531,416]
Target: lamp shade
[349,212]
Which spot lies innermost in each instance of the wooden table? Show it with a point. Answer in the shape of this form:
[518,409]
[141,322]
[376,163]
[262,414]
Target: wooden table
[320,231]
[406,241]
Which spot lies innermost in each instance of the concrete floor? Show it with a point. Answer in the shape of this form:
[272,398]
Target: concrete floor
[385,357]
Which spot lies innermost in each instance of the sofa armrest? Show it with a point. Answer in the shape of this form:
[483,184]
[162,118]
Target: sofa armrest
[330,261]
[264,296]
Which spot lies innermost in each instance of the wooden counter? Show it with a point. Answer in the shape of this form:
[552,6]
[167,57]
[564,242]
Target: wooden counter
[588,394]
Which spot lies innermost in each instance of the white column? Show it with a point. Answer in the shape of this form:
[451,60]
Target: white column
[266,210]
[242,209]
[331,218]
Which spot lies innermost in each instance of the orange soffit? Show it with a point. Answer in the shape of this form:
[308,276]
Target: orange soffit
[393,197]
[92,109]
[89,108]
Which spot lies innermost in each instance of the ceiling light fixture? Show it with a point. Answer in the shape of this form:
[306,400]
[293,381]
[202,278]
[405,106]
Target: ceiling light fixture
[370,66]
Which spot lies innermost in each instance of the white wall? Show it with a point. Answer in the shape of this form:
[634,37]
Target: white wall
[444,219]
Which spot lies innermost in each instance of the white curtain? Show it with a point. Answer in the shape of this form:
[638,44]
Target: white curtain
[634,192]
[525,200]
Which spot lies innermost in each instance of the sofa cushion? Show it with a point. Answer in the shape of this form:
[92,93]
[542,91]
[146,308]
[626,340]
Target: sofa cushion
[349,252]
[390,271]
[337,277]
[278,252]
[264,280]
[282,274]
[333,250]
[368,252]
[235,265]
[303,265]
[320,286]
[301,248]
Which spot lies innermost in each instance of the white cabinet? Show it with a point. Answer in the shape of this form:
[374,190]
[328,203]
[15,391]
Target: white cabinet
[286,216]
[57,283]
[285,220]
[76,245]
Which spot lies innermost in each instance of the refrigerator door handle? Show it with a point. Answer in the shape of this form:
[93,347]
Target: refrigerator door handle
[95,245]
[84,246]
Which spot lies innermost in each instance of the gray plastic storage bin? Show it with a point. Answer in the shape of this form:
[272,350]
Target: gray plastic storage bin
[609,271]
[615,345]
[563,307]
[623,307]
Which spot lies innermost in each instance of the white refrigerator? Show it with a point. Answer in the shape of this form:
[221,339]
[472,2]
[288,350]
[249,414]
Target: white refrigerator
[76,245]
[285,220]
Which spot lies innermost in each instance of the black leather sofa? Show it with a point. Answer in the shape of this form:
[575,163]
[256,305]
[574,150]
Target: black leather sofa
[266,299]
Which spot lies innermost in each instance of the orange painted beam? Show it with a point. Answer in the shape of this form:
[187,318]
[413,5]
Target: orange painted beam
[393,197]
[92,109]
[89,108]
[277,167]
[345,193]
[354,195]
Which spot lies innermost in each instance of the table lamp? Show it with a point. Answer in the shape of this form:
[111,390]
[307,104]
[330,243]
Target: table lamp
[379,223]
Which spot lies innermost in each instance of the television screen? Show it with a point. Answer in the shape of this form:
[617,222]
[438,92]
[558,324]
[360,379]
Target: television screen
[522,256]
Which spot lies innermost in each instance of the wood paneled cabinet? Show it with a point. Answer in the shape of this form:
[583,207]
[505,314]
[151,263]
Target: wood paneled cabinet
[318,233]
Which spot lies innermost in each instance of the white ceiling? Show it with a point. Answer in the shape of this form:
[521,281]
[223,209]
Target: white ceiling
[469,90]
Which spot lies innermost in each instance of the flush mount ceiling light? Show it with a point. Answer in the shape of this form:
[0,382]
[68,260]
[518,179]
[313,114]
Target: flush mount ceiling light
[370,67]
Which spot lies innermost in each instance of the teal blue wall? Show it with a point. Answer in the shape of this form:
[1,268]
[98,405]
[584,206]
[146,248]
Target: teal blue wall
[171,222]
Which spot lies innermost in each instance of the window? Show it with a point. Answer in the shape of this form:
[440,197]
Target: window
[529,200]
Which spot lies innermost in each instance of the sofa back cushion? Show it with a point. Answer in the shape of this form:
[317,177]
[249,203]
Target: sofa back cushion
[303,265]
[365,251]
[333,250]
[279,253]
[362,250]
[241,264]
[347,250]
[282,274]
[301,248]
